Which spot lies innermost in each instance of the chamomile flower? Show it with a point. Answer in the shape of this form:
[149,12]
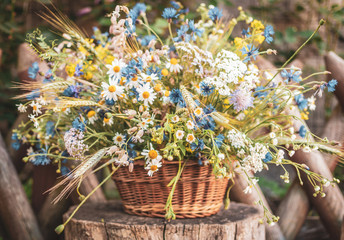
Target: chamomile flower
[175,118]
[311,103]
[190,125]
[21,108]
[153,166]
[34,120]
[111,90]
[151,154]
[146,94]
[108,121]
[174,66]
[149,78]
[198,112]
[115,68]
[92,116]
[190,138]
[118,139]
[180,134]
[36,108]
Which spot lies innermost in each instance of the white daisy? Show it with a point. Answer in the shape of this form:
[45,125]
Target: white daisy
[146,94]
[134,82]
[153,166]
[149,78]
[92,116]
[311,103]
[42,101]
[190,138]
[119,139]
[111,90]
[151,154]
[34,120]
[107,121]
[175,118]
[198,112]
[174,66]
[190,125]
[21,108]
[36,107]
[115,68]
[180,134]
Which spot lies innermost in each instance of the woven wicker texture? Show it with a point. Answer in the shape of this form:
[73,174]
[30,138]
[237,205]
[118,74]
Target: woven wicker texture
[198,193]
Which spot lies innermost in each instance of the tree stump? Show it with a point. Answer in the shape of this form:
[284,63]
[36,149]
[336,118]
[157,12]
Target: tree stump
[109,221]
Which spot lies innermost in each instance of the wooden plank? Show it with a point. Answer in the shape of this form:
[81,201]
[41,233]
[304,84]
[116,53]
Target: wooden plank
[335,65]
[330,211]
[109,221]
[15,210]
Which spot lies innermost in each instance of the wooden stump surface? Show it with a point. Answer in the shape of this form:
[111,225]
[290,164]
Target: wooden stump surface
[109,221]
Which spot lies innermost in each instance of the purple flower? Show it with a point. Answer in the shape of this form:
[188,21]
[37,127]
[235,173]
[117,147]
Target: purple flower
[241,100]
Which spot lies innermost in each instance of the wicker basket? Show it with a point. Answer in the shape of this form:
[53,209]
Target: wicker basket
[198,193]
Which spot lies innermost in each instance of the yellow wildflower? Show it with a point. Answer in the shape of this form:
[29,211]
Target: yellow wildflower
[304,115]
[70,69]
[257,25]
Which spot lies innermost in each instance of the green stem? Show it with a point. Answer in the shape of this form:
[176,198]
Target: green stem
[60,228]
[322,21]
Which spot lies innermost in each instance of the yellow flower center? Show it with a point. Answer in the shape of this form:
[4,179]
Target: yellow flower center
[164,72]
[134,79]
[149,79]
[122,81]
[91,114]
[157,87]
[106,120]
[173,61]
[119,139]
[154,168]
[167,93]
[198,111]
[116,69]
[153,154]
[191,138]
[34,108]
[145,95]
[112,88]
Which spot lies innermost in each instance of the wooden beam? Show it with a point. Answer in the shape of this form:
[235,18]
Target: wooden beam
[15,210]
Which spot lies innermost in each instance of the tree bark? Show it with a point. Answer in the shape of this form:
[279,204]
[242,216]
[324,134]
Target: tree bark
[15,210]
[108,221]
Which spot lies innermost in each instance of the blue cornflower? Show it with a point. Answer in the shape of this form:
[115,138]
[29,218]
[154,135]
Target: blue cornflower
[292,75]
[219,140]
[206,122]
[215,14]
[154,69]
[146,40]
[331,85]
[176,96]
[245,32]
[302,131]
[301,102]
[78,71]
[16,142]
[33,70]
[78,124]
[206,89]
[50,128]
[197,146]
[170,13]
[182,34]
[136,11]
[268,32]
[268,157]
[71,91]
[48,77]
[259,92]
[175,4]
[195,30]
[209,109]
[250,51]
[109,102]
[241,100]
[42,158]
[140,7]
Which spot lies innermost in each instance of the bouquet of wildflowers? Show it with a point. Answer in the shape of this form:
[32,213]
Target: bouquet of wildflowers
[191,94]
